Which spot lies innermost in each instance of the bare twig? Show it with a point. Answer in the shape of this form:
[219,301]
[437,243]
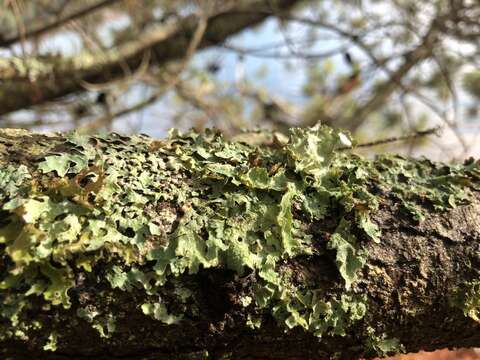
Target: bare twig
[105,120]
[20,24]
[417,134]
[412,58]
[170,82]
[280,55]
[60,22]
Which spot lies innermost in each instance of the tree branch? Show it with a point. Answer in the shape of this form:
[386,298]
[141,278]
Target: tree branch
[199,248]
[47,78]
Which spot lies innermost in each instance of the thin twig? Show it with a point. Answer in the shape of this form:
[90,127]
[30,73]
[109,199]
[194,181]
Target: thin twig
[20,24]
[105,120]
[60,22]
[170,82]
[417,134]
[280,55]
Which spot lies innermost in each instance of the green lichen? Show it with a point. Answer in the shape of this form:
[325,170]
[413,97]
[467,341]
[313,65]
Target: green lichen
[153,211]
[159,312]
[51,344]
[383,345]
[11,180]
[467,299]
[349,258]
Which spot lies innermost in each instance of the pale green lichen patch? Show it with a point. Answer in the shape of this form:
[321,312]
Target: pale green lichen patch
[151,212]
[467,299]
[12,181]
[349,258]
[51,344]
[159,312]
[383,345]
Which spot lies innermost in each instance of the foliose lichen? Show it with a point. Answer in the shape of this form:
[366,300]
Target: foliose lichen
[151,211]
[467,299]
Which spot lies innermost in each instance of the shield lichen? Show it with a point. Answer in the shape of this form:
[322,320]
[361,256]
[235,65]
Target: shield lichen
[383,345]
[467,299]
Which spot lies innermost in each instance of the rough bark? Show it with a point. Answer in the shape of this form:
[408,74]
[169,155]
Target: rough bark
[416,279]
[30,81]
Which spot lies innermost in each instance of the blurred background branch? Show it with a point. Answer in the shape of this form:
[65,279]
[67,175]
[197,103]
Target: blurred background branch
[381,69]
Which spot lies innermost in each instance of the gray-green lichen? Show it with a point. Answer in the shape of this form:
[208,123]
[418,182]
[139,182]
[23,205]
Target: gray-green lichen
[382,345]
[151,211]
[467,298]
